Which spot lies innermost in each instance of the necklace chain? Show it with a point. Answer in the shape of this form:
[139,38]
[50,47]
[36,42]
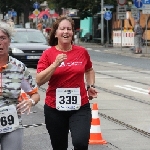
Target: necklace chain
[69,49]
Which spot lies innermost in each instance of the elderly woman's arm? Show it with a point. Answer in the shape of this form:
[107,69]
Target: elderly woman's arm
[35,97]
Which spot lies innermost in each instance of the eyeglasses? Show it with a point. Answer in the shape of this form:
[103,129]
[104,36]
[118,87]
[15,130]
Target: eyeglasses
[2,38]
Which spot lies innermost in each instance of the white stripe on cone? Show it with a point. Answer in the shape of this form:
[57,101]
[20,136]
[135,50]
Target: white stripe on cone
[95,129]
[95,114]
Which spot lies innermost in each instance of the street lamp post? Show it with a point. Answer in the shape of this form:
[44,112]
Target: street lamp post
[102,22]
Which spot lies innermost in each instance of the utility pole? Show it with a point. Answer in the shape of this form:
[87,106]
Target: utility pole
[102,22]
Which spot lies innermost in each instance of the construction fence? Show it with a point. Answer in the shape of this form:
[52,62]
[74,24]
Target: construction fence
[127,38]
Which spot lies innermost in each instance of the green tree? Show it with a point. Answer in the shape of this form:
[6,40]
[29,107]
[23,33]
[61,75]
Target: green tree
[20,6]
[24,7]
[86,8]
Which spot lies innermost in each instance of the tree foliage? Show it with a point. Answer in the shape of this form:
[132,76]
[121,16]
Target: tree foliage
[20,6]
[86,8]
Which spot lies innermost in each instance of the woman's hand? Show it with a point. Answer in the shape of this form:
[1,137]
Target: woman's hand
[24,106]
[59,59]
[92,93]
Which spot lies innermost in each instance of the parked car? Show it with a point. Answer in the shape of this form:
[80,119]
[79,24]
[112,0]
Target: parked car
[27,45]
[18,26]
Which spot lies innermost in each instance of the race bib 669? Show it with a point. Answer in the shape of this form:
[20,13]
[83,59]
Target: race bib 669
[8,119]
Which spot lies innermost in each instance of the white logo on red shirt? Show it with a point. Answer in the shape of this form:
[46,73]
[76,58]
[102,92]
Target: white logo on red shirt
[63,64]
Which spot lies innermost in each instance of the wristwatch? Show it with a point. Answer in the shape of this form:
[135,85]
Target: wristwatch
[33,102]
[89,86]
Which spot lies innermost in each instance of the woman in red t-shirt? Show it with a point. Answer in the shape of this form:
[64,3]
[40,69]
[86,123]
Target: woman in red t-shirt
[67,105]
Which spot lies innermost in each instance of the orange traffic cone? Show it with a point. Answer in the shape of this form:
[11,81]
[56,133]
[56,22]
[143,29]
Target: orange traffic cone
[95,131]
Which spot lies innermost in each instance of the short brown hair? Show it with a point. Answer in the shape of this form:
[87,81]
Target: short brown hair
[53,40]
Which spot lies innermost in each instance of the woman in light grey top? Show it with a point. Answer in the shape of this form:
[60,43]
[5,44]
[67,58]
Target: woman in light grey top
[138,32]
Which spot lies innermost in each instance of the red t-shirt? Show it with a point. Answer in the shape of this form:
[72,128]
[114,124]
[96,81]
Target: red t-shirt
[70,74]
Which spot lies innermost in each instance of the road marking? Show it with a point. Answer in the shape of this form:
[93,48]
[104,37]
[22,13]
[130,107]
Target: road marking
[114,63]
[30,112]
[118,71]
[137,88]
[97,50]
[133,89]
[135,77]
[93,50]
[33,125]
[131,77]
[121,71]
[145,71]
[89,49]
[104,77]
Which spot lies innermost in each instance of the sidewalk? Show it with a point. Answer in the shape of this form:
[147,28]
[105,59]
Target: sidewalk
[126,51]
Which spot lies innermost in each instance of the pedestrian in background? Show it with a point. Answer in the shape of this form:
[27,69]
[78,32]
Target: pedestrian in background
[67,105]
[99,30]
[44,25]
[138,33]
[11,23]
[14,76]
[40,25]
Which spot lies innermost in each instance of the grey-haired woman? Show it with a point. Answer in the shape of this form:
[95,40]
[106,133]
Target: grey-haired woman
[14,76]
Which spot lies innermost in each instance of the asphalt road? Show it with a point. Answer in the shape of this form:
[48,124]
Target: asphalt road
[123,101]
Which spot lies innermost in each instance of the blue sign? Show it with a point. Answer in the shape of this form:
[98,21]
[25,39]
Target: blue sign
[45,16]
[108,15]
[9,12]
[12,13]
[36,5]
[146,1]
[138,3]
